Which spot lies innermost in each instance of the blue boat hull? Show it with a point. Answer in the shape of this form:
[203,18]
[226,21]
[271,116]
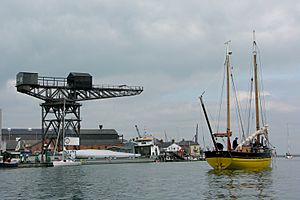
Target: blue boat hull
[8,165]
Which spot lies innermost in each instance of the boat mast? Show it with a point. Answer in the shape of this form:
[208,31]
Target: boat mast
[228,53]
[288,141]
[196,135]
[256,87]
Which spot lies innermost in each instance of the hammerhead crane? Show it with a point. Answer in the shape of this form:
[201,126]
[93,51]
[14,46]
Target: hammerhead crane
[61,97]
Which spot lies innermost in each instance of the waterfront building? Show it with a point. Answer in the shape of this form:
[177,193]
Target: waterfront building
[30,139]
[191,148]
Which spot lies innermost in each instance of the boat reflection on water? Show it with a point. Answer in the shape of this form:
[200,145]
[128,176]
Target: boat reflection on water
[239,184]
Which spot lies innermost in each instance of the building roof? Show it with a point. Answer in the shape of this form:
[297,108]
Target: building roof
[187,143]
[79,74]
[30,131]
[164,144]
[18,131]
[98,131]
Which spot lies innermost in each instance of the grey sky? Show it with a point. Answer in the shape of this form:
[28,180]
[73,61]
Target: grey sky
[175,49]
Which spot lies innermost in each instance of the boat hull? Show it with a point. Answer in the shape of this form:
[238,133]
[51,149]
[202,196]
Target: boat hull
[219,162]
[238,160]
[8,164]
[289,157]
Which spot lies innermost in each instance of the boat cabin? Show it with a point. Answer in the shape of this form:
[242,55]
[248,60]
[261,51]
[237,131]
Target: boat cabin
[146,147]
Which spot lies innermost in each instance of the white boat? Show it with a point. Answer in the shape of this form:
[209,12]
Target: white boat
[146,147]
[288,155]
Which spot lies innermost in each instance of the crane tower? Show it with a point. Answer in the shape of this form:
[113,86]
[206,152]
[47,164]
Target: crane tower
[61,97]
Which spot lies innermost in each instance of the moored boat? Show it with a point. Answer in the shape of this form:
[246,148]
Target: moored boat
[255,152]
[8,163]
[146,147]
[288,156]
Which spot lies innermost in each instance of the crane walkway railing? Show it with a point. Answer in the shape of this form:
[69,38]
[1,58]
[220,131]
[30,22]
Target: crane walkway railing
[51,82]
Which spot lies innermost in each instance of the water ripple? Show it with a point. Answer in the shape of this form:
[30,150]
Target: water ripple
[193,180]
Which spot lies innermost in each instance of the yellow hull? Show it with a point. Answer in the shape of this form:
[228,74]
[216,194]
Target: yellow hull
[219,162]
[239,163]
[250,163]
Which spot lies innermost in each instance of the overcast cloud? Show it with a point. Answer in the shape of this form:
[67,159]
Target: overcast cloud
[174,49]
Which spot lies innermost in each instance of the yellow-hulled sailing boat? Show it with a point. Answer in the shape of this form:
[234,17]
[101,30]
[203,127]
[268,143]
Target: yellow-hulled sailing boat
[254,153]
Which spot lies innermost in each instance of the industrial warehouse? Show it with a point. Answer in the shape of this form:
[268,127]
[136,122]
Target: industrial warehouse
[31,139]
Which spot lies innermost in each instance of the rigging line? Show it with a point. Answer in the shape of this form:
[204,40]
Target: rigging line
[261,93]
[223,85]
[213,80]
[249,102]
[221,99]
[270,143]
[237,107]
[262,102]
[202,131]
[250,105]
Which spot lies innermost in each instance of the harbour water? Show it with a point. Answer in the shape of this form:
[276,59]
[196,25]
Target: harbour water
[184,180]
